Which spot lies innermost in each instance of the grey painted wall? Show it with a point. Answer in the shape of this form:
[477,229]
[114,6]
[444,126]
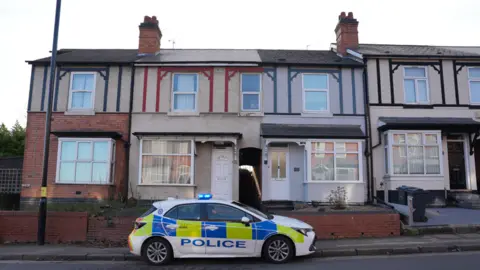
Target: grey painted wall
[296,160]
[40,88]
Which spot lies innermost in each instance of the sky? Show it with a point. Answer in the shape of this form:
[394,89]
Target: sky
[26,29]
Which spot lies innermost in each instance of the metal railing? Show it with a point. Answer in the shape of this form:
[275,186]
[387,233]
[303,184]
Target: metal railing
[10,181]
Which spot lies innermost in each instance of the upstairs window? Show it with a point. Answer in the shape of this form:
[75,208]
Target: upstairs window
[85,161]
[82,91]
[474,84]
[185,89]
[315,93]
[415,84]
[251,85]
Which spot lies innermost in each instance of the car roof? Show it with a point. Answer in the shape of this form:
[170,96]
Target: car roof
[169,203]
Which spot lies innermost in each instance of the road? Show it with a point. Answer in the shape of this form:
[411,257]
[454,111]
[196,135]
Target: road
[446,261]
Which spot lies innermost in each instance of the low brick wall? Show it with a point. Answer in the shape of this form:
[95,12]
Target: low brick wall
[17,226]
[351,225]
[64,227]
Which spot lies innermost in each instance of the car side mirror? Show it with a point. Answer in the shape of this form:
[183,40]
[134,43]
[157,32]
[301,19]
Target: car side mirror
[246,221]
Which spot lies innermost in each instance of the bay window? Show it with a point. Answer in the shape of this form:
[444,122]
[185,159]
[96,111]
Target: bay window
[336,161]
[85,161]
[166,162]
[413,153]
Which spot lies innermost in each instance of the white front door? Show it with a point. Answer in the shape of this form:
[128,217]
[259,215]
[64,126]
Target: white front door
[222,181]
[279,182]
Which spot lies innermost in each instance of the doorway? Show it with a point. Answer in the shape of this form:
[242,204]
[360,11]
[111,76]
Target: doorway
[250,181]
[456,162]
[222,180]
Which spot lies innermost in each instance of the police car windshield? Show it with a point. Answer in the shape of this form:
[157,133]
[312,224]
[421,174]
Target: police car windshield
[253,210]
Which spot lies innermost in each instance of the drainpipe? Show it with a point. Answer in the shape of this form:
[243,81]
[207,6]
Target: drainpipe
[368,151]
[127,143]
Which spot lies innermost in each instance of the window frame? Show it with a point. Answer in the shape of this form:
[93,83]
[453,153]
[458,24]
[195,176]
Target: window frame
[439,144]
[327,90]
[111,159]
[359,155]
[472,79]
[175,208]
[259,93]
[71,91]
[192,161]
[416,79]
[195,93]
[246,214]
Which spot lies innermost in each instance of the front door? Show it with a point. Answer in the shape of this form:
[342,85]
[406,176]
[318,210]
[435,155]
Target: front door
[225,233]
[279,182]
[456,163]
[222,182]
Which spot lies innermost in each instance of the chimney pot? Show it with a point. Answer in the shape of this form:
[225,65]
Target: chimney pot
[342,15]
[350,15]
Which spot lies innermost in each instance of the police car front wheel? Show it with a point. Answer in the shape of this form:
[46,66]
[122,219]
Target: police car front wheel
[157,251]
[278,249]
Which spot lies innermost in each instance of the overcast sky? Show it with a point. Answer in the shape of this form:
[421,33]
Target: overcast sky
[26,28]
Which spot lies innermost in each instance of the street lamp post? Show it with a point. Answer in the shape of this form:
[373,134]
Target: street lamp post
[42,211]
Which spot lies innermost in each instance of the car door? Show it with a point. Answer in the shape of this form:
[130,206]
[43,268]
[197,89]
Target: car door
[183,225]
[225,233]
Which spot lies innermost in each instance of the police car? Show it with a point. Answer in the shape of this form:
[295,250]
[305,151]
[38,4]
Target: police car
[207,228]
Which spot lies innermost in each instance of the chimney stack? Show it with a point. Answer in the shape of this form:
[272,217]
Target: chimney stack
[347,33]
[150,35]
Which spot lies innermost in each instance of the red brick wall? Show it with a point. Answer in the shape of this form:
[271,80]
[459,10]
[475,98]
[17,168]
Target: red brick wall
[33,157]
[115,229]
[61,227]
[352,225]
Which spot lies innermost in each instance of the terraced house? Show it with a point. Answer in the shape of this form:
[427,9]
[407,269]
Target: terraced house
[423,113]
[152,123]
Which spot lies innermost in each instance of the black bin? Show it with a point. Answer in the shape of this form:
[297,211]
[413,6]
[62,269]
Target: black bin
[420,199]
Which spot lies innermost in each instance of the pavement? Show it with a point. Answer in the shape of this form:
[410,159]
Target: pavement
[439,243]
[446,261]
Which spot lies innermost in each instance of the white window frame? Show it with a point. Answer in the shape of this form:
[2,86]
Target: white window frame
[359,154]
[279,149]
[259,93]
[416,79]
[390,134]
[185,93]
[71,91]
[472,79]
[110,161]
[192,161]
[327,90]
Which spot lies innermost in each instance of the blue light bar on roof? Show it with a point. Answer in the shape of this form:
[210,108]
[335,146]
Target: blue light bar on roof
[204,196]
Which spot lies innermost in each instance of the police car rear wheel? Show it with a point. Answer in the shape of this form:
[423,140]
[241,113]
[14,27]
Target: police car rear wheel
[278,249]
[157,251]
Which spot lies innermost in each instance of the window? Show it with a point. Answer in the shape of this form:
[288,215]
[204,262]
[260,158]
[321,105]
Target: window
[415,84]
[220,212]
[166,162]
[278,163]
[474,84]
[185,212]
[251,89]
[315,93]
[185,89]
[414,153]
[335,161]
[82,91]
[85,161]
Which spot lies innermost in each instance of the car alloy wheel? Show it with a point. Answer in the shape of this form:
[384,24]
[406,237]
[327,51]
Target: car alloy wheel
[278,249]
[157,251]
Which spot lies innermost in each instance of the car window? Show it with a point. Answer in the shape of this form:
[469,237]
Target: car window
[149,211]
[221,212]
[185,212]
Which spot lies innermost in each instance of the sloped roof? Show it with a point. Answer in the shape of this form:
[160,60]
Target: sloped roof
[114,56]
[306,57]
[442,123]
[203,56]
[414,50]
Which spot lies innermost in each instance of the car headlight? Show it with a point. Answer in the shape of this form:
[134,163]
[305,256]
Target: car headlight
[303,231]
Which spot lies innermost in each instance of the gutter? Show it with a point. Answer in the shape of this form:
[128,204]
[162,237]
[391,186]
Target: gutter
[368,125]
[128,142]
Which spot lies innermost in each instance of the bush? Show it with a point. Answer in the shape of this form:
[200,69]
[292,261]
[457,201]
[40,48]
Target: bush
[338,198]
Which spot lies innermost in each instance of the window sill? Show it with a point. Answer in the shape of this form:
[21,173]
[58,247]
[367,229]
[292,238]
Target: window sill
[335,182]
[167,185]
[80,184]
[250,114]
[323,114]
[183,114]
[80,112]
[415,177]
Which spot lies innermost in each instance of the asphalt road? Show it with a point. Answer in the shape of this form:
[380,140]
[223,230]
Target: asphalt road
[445,261]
